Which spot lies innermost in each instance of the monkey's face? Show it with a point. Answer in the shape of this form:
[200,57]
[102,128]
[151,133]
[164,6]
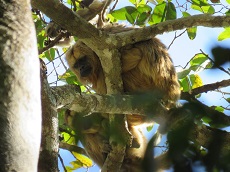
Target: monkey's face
[84,63]
[83,66]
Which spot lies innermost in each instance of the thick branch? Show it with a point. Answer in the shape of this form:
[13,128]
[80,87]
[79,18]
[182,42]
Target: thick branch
[124,104]
[155,111]
[148,103]
[64,95]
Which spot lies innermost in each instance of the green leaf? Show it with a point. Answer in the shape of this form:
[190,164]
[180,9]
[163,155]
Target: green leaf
[198,59]
[200,2]
[228,1]
[130,18]
[144,12]
[142,19]
[225,34]
[111,18]
[133,1]
[144,8]
[83,159]
[120,14]
[70,78]
[137,2]
[159,1]
[183,73]
[199,62]
[40,40]
[202,6]
[141,2]
[208,9]
[50,54]
[185,14]
[149,128]
[171,11]
[227,12]
[204,9]
[75,165]
[228,100]
[158,13]
[69,169]
[185,84]
[209,65]
[219,108]
[70,139]
[191,32]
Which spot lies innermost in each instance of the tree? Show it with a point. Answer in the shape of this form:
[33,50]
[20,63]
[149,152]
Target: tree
[200,126]
[20,101]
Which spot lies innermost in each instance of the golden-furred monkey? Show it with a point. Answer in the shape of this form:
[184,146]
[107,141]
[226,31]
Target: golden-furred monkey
[146,66]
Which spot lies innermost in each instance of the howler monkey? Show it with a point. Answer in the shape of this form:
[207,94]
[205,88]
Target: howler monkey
[146,66]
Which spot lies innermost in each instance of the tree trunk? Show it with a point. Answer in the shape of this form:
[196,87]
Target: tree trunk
[20,100]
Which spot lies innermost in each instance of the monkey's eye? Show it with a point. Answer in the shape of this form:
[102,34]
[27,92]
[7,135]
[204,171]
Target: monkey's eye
[83,66]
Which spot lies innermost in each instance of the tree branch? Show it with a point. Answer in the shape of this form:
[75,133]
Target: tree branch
[148,104]
[206,88]
[145,33]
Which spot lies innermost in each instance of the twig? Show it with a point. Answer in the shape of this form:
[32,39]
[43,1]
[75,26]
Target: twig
[62,162]
[59,56]
[114,6]
[175,37]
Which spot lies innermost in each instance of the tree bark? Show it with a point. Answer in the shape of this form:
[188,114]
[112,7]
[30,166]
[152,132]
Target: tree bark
[48,159]
[20,101]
